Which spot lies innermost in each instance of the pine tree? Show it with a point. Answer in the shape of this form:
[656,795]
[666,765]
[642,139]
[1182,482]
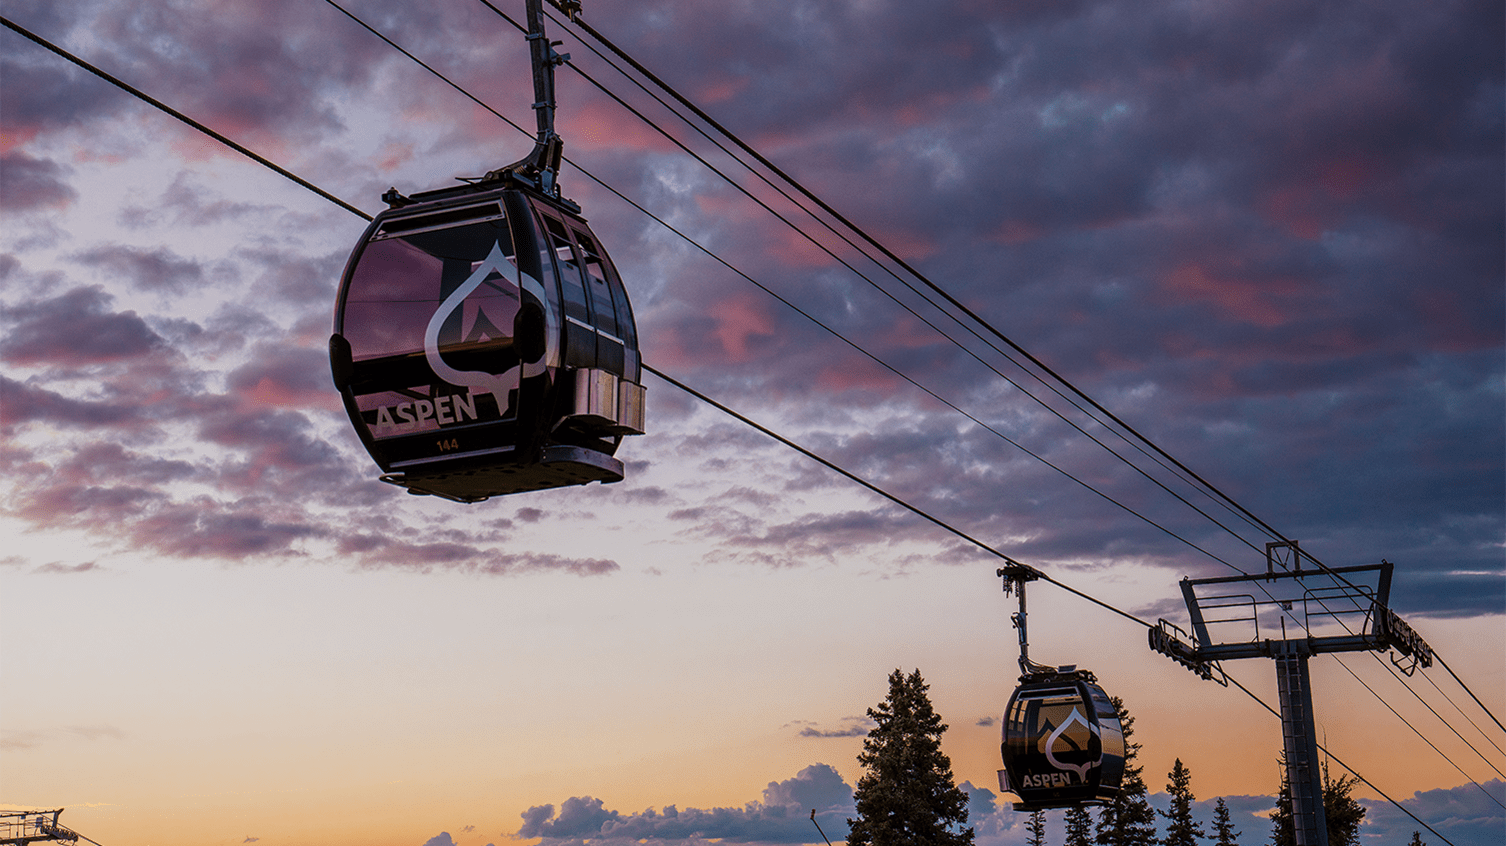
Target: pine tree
[1417,839]
[1282,831]
[907,796]
[1181,828]
[1343,812]
[1223,827]
[1128,820]
[1079,826]
[1037,829]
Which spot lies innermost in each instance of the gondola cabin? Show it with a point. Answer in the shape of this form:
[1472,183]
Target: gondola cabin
[1062,745]
[484,345]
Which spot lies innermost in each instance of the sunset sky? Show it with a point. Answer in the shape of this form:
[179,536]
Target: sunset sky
[1267,235]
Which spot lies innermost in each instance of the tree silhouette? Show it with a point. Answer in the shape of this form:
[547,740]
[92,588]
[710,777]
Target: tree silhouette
[1344,813]
[1037,829]
[1079,826]
[907,796]
[1223,827]
[1128,819]
[1181,829]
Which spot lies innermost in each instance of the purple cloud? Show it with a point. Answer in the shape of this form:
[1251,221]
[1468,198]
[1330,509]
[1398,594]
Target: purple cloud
[783,816]
[149,270]
[21,403]
[76,328]
[29,183]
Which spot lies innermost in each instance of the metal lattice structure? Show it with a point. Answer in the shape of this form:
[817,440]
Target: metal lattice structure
[1335,615]
[18,828]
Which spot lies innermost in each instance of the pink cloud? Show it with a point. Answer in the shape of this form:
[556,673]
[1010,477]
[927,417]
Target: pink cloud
[1259,301]
[857,373]
[603,126]
[742,322]
[285,377]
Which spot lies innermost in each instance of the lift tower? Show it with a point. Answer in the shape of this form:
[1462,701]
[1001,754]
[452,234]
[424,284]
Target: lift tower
[22,828]
[1332,614]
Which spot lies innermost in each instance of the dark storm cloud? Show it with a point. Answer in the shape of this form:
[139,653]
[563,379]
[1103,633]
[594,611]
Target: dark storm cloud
[1135,103]
[1465,815]
[74,329]
[298,279]
[149,270]
[64,504]
[28,183]
[23,403]
[44,93]
[266,79]
[271,438]
[821,535]
[783,816]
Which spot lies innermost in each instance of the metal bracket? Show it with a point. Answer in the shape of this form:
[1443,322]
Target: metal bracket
[1170,640]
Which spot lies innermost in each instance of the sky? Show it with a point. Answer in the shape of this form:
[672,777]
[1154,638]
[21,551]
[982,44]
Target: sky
[1268,236]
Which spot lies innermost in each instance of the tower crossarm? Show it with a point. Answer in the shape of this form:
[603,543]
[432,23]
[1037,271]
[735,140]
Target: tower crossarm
[19,828]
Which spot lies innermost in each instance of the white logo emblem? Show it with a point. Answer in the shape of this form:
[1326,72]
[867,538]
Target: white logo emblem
[1050,746]
[496,384]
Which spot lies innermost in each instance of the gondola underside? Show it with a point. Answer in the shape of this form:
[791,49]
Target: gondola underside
[561,465]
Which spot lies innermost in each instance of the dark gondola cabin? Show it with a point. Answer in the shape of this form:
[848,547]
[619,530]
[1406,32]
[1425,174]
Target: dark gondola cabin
[484,345]
[1063,745]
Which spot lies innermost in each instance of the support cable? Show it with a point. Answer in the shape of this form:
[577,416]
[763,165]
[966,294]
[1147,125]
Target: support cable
[863,234]
[1441,753]
[136,92]
[1439,659]
[943,333]
[1466,717]
[883,493]
[647,121]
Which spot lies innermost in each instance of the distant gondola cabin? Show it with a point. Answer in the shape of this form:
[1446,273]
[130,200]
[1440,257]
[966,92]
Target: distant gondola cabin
[1062,743]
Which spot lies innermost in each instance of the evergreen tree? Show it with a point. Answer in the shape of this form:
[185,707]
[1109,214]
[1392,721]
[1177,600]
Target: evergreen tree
[1342,811]
[1079,826]
[1417,839]
[1037,829]
[1282,831]
[906,796]
[1223,827]
[1181,828]
[1128,820]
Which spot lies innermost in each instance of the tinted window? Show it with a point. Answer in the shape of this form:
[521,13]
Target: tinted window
[458,282]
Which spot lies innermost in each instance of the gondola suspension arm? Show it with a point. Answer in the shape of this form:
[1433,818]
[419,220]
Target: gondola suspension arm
[1015,576]
[541,167]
